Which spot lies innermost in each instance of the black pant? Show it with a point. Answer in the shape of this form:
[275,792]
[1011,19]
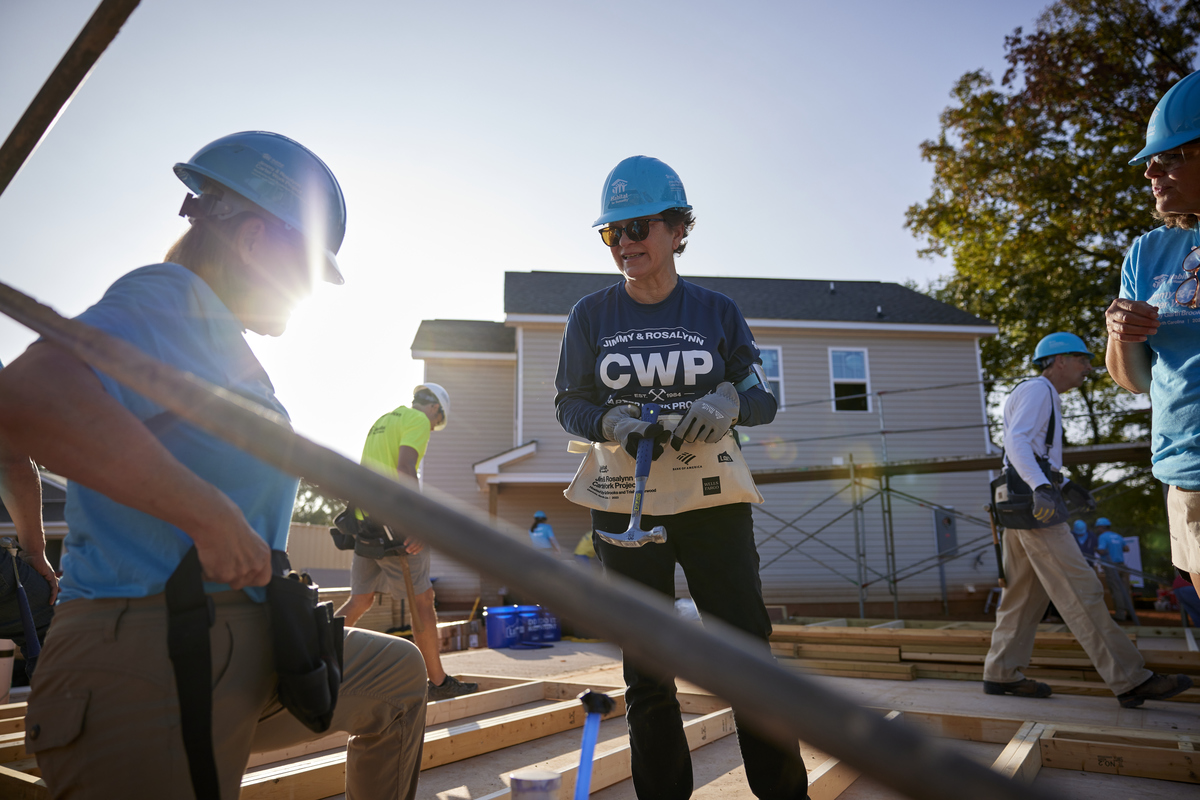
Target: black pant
[715,547]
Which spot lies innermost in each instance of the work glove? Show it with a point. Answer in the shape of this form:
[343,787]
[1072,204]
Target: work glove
[1046,503]
[1078,497]
[709,417]
[622,424]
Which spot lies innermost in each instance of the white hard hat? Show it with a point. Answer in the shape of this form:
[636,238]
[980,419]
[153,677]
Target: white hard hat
[443,399]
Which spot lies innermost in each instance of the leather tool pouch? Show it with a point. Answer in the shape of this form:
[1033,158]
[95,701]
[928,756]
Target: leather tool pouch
[1014,499]
[307,640]
[365,537]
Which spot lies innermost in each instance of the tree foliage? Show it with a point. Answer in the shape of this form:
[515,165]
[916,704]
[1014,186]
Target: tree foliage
[1032,196]
[314,507]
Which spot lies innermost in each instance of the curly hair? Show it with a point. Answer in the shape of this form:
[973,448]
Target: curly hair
[1185,221]
[673,218]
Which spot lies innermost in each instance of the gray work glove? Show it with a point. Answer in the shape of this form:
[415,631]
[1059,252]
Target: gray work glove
[709,417]
[623,425]
[1045,503]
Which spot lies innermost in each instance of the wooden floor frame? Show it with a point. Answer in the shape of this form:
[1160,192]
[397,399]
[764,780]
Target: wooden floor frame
[317,769]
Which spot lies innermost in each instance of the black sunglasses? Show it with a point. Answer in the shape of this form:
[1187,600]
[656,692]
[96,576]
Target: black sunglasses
[637,230]
[1187,294]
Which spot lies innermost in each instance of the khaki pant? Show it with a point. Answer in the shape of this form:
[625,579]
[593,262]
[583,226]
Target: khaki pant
[103,716]
[1045,565]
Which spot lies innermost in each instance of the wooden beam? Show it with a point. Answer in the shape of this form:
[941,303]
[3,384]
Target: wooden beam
[1022,758]
[12,747]
[20,786]
[613,766]
[10,710]
[1140,753]
[460,742]
[689,702]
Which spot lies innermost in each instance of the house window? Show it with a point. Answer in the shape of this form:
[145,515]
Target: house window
[772,364]
[848,373]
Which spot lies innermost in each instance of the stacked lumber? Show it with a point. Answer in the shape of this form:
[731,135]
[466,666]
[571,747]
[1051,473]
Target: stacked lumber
[953,652]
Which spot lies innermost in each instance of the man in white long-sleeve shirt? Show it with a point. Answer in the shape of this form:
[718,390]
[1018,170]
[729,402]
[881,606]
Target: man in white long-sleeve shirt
[1044,563]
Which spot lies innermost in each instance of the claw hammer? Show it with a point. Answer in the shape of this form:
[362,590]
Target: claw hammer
[634,536]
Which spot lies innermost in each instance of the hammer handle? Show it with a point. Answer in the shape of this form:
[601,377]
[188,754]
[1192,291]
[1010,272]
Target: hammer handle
[414,618]
[645,452]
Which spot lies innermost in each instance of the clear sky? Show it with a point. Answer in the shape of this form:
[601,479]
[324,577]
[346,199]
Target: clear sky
[472,138]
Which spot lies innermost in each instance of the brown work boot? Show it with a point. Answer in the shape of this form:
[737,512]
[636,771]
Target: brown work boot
[1023,688]
[451,687]
[1157,687]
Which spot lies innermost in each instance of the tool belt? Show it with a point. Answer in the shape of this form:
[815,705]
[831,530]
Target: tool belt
[367,538]
[1013,499]
[306,638]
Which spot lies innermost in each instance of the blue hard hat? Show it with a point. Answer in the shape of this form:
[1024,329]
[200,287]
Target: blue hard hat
[1079,527]
[539,515]
[1175,121]
[282,177]
[639,186]
[1103,521]
[1058,344]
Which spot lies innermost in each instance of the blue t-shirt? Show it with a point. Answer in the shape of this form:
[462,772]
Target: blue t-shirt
[542,535]
[1152,273]
[1111,546]
[169,313]
[616,350]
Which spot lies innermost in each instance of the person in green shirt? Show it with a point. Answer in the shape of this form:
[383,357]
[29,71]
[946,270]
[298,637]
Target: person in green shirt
[396,445]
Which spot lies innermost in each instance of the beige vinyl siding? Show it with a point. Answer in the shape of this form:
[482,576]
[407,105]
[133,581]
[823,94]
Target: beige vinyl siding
[538,364]
[895,361]
[480,426]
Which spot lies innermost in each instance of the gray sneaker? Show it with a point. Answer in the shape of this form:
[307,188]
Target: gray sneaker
[1158,687]
[451,687]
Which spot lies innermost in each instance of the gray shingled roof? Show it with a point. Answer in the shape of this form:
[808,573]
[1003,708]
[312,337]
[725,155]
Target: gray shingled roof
[465,336]
[758,298]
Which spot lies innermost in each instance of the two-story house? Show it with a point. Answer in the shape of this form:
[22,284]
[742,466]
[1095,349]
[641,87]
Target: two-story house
[863,371]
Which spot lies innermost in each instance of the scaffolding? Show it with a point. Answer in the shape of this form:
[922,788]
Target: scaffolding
[863,484]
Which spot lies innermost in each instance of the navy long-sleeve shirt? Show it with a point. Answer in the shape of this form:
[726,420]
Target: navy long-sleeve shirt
[616,350]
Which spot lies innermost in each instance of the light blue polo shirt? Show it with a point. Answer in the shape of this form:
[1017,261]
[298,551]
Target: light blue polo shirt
[1152,272]
[1112,547]
[169,313]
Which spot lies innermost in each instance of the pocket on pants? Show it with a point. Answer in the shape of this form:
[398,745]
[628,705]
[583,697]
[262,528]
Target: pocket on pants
[56,722]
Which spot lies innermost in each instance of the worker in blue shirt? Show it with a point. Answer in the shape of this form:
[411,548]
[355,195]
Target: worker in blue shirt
[1085,538]
[1112,548]
[542,535]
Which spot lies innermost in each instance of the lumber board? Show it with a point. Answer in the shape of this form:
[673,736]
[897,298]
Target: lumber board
[330,742]
[29,766]
[12,747]
[613,766]
[1172,661]
[828,623]
[852,669]
[891,623]
[10,710]
[313,778]
[1122,758]
[1100,689]
[12,725]
[489,682]
[689,702]
[20,786]
[475,738]
[484,702]
[436,713]
[1021,759]
[1190,638]
[914,637]
[965,727]
[304,779]
[847,652]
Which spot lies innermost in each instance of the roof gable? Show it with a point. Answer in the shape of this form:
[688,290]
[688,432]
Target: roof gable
[464,336]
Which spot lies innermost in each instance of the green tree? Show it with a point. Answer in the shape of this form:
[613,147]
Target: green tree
[1032,198]
[314,507]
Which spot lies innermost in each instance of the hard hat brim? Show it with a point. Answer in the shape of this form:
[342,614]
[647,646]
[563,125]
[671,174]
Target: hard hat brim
[634,212]
[1163,145]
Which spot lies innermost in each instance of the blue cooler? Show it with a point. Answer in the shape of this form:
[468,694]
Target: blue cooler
[530,618]
[503,628]
[551,630]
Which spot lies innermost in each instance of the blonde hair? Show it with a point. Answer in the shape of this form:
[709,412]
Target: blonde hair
[1185,221]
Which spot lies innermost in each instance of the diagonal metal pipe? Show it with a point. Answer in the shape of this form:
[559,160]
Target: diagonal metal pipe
[52,99]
